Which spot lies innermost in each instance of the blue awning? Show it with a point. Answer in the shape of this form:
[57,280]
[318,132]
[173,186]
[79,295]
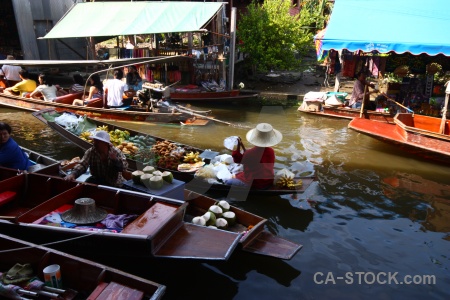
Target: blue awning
[414,26]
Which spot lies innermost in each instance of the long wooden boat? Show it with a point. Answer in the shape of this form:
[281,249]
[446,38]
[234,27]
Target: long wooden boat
[350,113]
[96,109]
[80,278]
[130,114]
[158,227]
[205,96]
[197,94]
[417,134]
[194,184]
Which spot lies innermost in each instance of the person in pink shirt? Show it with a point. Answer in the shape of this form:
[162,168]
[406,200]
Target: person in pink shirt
[258,161]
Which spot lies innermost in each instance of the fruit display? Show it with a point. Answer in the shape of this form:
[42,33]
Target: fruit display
[147,150]
[289,182]
[192,158]
[218,216]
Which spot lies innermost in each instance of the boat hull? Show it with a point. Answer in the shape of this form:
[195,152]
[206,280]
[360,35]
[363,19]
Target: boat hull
[350,113]
[225,96]
[160,227]
[420,142]
[80,275]
[93,112]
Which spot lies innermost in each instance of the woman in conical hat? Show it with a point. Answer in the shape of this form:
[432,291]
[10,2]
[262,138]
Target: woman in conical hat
[258,161]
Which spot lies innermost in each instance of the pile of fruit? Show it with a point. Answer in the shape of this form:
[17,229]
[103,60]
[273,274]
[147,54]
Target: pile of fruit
[152,178]
[147,150]
[289,182]
[218,216]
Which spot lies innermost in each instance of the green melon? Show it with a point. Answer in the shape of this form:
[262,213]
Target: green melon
[221,223]
[156,182]
[224,205]
[210,218]
[230,217]
[217,210]
[149,169]
[167,176]
[157,173]
[145,179]
[136,176]
[199,221]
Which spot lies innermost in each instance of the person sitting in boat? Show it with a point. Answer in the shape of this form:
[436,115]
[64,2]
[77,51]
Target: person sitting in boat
[77,86]
[114,89]
[133,79]
[45,89]
[11,155]
[24,87]
[10,73]
[106,162]
[359,92]
[95,91]
[258,161]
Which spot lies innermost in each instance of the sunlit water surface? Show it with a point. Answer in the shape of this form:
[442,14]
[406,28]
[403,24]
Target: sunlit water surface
[373,212]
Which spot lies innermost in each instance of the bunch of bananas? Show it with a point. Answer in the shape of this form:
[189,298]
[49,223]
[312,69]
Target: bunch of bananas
[103,127]
[192,158]
[289,183]
[85,136]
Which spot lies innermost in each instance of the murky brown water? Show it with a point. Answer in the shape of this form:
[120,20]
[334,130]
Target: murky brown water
[374,210]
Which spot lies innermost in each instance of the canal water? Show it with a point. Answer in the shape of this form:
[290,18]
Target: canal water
[375,225]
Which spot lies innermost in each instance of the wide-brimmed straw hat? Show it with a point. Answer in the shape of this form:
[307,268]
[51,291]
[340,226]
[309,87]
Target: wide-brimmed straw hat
[84,212]
[101,136]
[263,135]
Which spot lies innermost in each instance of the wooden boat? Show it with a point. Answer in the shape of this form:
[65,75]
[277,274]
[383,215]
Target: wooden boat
[96,108]
[350,113]
[314,103]
[189,177]
[81,278]
[47,117]
[417,134]
[205,96]
[158,226]
[197,94]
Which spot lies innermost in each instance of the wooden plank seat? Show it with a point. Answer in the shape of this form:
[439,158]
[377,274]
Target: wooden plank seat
[151,220]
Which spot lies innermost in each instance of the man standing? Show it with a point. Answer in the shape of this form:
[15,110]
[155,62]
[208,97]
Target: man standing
[114,89]
[10,73]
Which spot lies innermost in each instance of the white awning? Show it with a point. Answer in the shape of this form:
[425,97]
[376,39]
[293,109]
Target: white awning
[91,19]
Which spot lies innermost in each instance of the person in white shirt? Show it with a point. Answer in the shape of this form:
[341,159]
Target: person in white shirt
[11,73]
[46,88]
[115,89]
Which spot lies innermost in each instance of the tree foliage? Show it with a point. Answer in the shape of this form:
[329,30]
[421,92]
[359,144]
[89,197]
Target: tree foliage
[272,38]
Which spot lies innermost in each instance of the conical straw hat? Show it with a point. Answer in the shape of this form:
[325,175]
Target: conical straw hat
[84,212]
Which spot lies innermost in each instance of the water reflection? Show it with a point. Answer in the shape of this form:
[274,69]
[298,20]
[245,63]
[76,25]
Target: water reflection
[372,209]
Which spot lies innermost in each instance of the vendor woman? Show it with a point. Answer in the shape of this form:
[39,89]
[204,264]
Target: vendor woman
[258,161]
[11,155]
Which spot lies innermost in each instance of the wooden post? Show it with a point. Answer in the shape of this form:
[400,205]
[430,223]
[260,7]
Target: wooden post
[444,115]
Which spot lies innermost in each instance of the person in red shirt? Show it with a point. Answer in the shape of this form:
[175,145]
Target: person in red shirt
[258,161]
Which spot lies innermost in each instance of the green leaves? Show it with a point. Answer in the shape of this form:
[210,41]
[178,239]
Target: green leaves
[273,38]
